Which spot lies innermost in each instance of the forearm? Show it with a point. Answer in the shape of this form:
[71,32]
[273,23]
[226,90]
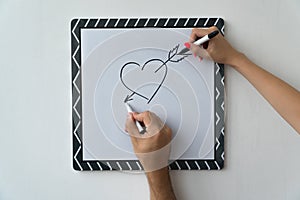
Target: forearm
[160,185]
[284,98]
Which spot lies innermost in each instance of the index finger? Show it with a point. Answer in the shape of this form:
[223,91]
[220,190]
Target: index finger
[200,32]
[144,117]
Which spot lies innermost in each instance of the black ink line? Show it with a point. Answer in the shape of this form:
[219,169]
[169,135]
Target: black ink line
[159,85]
[128,97]
[180,59]
[172,53]
[121,72]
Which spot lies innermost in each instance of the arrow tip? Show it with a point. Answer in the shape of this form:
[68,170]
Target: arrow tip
[128,98]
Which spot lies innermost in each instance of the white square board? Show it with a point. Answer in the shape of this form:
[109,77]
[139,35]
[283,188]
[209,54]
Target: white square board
[117,62]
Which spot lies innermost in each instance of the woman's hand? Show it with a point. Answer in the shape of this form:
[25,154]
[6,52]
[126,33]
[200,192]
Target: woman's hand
[216,49]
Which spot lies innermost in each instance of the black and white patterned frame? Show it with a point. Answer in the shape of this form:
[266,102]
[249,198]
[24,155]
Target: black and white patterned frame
[76,25]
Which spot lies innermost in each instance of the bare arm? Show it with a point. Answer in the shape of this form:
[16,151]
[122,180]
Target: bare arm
[284,98]
[153,150]
[160,185]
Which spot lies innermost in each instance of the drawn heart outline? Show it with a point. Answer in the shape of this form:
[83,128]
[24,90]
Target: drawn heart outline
[163,64]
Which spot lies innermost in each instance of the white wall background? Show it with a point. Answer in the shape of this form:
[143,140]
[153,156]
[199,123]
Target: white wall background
[262,151]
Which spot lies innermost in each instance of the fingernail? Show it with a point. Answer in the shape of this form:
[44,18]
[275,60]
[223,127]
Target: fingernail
[200,58]
[187,45]
[195,55]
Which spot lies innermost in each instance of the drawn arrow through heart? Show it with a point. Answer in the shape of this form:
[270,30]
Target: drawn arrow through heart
[153,71]
[149,74]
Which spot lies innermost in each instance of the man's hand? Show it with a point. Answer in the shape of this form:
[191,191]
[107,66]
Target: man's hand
[153,150]
[153,147]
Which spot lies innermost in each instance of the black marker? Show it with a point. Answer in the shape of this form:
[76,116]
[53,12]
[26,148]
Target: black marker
[201,41]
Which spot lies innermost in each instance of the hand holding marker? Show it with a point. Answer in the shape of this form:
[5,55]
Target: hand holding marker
[139,126]
[201,41]
[183,51]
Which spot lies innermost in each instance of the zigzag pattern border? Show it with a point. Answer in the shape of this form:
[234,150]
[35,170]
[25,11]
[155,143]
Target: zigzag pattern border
[78,162]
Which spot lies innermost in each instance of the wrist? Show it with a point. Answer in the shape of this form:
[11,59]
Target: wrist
[237,60]
[160,184]
[158,175]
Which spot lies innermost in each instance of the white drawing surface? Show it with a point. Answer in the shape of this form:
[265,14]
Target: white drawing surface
[141,66]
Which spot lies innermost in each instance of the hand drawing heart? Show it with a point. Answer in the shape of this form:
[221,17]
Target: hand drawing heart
[153,72]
